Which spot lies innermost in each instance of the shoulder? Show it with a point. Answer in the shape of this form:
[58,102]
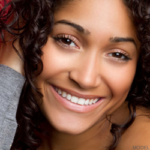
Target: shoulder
[137,136]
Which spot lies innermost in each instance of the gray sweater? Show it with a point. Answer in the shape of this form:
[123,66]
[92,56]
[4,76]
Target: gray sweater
[11,83]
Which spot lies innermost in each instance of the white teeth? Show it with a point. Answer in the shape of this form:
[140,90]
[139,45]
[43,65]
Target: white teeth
[91,101]
[64,94]
[68,97]
[94,101]
[81,101]
[74,99]
[86,102]
[59,91]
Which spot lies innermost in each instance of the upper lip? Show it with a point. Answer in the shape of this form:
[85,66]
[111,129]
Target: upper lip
[77,94]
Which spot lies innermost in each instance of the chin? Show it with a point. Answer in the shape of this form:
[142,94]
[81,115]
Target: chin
[72,131]
[70,128]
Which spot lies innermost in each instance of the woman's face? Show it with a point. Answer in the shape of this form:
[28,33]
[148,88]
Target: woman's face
[89,63]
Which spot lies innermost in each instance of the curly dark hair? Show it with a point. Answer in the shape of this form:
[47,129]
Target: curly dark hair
[31,21]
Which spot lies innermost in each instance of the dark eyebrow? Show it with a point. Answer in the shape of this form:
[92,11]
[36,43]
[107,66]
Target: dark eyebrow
[123,39]
[74,25]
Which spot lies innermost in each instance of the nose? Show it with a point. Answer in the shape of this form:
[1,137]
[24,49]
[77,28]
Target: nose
[86,73]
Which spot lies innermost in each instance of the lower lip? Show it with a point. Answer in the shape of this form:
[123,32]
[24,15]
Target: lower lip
[75,107]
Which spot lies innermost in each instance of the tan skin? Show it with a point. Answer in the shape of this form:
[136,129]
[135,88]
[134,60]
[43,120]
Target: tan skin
[9,57]
[88,67]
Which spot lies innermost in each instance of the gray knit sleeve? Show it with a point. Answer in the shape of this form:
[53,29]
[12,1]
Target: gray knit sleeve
[11,83]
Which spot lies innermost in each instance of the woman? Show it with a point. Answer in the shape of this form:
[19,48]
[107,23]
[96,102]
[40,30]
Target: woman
[82,60]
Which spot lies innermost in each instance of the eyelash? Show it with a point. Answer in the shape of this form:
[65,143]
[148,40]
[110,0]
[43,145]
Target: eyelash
[68,38]
[72,40]
[122,56]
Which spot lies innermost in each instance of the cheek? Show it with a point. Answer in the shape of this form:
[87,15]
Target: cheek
[119,80]
[55,60]
[52,61]
[119,76]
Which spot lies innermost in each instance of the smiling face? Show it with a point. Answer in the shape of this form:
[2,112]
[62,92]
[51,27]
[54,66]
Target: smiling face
[90,59]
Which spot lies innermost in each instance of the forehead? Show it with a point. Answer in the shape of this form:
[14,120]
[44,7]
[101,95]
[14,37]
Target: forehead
[102,18]
[106,13]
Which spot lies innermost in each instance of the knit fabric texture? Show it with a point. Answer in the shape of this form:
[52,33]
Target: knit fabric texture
[11,83]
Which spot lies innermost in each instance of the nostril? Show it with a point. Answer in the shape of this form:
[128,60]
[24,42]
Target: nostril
[84,81]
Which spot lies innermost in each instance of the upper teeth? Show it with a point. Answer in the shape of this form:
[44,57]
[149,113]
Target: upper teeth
[74,99]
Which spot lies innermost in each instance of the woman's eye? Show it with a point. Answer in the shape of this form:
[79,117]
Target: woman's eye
[66,41]
[119,56]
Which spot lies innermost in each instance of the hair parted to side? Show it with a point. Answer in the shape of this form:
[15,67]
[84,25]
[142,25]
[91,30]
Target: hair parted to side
[31,24]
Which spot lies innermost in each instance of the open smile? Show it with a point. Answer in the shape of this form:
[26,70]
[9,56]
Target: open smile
[76,102]
[75,99]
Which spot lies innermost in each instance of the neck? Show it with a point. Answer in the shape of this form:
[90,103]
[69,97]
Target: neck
[97,137]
